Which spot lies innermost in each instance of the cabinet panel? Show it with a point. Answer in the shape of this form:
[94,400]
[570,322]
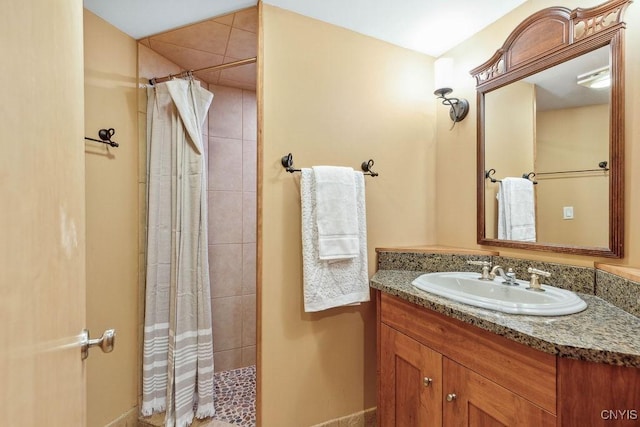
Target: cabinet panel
[597,394]
[528,372]
[481,402]
[410,381]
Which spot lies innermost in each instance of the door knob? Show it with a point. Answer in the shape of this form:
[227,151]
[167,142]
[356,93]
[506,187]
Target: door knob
[451,397]
[427,381]
[105,342]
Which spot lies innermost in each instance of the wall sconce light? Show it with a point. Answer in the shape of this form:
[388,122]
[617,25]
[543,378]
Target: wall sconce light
[443,69]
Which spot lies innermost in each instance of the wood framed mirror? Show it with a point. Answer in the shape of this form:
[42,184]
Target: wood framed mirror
[535,121]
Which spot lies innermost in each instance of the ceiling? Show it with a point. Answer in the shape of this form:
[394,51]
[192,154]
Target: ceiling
[227,38]
[431,27]
[557,88]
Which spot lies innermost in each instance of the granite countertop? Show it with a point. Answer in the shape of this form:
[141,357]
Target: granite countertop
[601,333]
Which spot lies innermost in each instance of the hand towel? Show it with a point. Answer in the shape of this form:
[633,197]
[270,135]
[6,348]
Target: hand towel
[331,283]
[336,212]
[516,210]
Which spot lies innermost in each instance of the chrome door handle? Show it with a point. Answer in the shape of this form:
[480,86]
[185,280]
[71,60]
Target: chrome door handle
[106,342]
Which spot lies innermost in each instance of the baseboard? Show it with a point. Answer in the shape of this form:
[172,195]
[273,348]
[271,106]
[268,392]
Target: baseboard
[128,419]
[366,418]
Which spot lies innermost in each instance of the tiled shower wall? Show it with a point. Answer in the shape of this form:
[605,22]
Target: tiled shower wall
[232,225]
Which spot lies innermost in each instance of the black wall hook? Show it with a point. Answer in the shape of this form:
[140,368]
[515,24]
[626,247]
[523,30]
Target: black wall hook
[105,137]
[287,163]
[530,177]
[366,167]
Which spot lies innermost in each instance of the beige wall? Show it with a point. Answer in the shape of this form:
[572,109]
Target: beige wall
[510,119]
[112,219]
[573,139]
[232,226]
[331,96]
[457,185]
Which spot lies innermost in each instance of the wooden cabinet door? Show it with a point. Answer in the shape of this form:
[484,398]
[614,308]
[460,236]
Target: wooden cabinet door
[410,392]
[480,402]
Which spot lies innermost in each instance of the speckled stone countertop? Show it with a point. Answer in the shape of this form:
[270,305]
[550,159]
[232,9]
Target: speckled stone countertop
[601,333]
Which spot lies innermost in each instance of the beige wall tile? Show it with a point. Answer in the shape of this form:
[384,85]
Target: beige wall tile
[236,84]
[208,36]
[248,320]
[225,270]
[188,58]
[247,20]
[249,116]
[246,74]
[225,19]
[242,44]
[225,114]
[226,317]
[225,164]
[249,355]
[249,165]
[225,217]
[249,214]
[248,268]
[209,76]
[227,360]
[151,64]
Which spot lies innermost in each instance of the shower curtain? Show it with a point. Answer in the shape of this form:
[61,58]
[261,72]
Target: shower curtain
[178,346]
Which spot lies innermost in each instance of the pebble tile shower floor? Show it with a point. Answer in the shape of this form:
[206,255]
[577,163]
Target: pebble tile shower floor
[235,400]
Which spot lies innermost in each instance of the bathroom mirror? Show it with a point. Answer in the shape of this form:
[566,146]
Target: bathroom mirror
[542,116]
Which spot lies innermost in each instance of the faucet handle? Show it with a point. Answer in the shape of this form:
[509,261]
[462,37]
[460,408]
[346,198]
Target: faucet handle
[485,268]
[534,283]
[478,262]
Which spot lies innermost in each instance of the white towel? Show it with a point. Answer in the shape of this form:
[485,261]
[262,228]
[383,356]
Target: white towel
[516,210]
[331,283]
[336,212]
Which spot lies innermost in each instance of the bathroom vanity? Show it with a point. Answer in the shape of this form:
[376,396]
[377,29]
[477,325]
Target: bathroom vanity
[450,364]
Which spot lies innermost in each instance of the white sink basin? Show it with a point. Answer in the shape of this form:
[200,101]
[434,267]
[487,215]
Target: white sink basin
[495,295]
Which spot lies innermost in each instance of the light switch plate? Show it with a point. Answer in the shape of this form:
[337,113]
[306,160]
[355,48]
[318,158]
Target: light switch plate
[567,212]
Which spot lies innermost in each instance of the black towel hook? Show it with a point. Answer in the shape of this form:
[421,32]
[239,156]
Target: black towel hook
[105,137]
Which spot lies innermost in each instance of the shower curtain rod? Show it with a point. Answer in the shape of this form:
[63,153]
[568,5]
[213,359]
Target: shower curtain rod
[212,68]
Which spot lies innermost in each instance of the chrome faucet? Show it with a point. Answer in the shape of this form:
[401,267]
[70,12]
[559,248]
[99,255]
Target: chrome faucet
[509,277]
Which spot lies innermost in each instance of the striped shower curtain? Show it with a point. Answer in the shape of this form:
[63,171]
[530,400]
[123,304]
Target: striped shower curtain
[178,348]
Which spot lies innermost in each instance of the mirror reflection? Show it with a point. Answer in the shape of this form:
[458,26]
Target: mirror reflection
[552,129]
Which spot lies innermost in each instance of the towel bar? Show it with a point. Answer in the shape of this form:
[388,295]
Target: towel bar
[287,163]
[488,174]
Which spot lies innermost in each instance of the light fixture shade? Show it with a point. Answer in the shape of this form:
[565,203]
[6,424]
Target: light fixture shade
[443,70]
[596,79]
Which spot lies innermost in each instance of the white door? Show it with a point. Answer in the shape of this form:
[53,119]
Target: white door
[42,248]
